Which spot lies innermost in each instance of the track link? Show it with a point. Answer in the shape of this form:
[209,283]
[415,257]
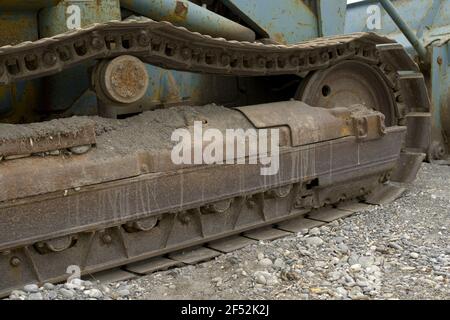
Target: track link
[213,249]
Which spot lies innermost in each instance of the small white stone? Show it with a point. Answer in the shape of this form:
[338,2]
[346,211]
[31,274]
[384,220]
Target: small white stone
[95,293]
[356,268]
[414,255]
[31,288]
[77,282]
[279,263]
[49,286]
[35,296]
[314,241]
[67,293]
[266,262]
[260,279]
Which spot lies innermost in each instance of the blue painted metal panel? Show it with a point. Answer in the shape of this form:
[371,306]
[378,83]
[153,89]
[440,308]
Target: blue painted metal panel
[429,19]
[289,21]
[53,20]
[331,17]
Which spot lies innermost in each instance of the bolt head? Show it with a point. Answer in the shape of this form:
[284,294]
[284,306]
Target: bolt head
[97,42]
[144,39]
[15,262]
[50,59]
[107,239]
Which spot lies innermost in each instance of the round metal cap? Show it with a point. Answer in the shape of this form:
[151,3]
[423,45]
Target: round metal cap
[125,79]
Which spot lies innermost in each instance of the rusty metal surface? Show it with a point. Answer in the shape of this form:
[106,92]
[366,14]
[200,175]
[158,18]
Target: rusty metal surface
[314,124]
[152,265]
[154,194]
[123,80]
[418,138]
[230,244]
[194,256]
[66,174]
[328,214]
[266,234]
[299,224]
[408,167]
[27,139]
[385,194]
[103,222]
[61,176]
[307,124]
[95,216]
[350,83]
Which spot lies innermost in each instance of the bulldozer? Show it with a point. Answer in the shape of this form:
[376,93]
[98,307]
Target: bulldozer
[350,99]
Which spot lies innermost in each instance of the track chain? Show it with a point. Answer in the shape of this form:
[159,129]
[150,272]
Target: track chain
[171,47]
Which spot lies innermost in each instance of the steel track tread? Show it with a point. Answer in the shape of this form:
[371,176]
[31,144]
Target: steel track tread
[171,47]
[228,245]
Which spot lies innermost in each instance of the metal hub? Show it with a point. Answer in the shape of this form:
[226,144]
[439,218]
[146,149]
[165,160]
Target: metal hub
[349,83]
[124,79]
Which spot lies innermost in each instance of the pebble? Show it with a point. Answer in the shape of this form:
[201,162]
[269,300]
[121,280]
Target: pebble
[35,296]
[77,282]
[356,268]
[18,293]
[93,293]
[51,295]
[320,264]
[266,262]
[279,263]
[123,293]
[366,261]
[342,292]
[342,247]
[335,275]
[71,286]
[67,293]
[260,279]
[31,288]
[49,286]
[314,241]
[80,149]
[414,255]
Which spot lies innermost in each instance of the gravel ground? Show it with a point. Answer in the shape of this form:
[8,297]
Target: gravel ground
[398,251]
